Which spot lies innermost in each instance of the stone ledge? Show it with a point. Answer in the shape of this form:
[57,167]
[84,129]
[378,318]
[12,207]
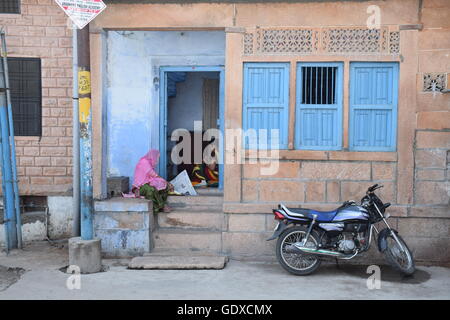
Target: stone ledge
[127,220]
[120,204]
[325,155]
[363,156]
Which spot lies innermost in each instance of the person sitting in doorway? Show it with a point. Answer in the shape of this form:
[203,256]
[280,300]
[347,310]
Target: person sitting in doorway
[205,175]
[149,184]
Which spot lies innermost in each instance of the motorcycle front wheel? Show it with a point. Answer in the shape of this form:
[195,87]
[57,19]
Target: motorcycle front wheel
[400,257]
[295,263]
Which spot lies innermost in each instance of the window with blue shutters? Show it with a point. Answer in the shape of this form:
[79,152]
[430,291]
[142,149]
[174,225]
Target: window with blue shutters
[318,124]
[373,106]
[266,105]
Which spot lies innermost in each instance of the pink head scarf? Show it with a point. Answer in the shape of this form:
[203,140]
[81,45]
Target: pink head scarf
[145,172]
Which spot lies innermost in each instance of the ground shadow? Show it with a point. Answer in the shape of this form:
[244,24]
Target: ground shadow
[9,276]
[104,268]
[387,273]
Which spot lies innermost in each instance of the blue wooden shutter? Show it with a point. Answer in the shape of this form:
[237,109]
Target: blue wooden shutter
[318,124]
[373,106]
[266,103]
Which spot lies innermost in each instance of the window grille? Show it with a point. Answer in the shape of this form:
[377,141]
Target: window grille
[10,6]
[25,83]
[319,85]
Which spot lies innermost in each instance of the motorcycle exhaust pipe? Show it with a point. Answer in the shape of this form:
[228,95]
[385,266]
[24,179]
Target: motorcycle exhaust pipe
[304,250]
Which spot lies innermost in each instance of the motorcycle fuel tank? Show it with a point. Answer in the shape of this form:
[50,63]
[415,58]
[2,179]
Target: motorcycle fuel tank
[351,213]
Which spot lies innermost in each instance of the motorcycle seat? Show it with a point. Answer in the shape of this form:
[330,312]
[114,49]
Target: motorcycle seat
[322,216]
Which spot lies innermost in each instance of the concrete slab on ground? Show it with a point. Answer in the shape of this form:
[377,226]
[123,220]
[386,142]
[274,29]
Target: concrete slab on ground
[177,262]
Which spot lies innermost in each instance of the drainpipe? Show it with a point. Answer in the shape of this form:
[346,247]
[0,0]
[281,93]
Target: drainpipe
[75,140]
[12,144]
[7,172]
[85,119]
[7,221]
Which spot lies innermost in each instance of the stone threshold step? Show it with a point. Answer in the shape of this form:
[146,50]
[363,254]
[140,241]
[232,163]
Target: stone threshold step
[194,209]
[209,191]
[182,252]
[180,207]
[178,262]
[200,199]
[194,220]
[187,230]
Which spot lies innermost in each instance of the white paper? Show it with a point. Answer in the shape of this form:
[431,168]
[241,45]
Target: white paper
[182,184]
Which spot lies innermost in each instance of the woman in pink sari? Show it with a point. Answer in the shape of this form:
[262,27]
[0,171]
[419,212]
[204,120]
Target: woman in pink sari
[149,184]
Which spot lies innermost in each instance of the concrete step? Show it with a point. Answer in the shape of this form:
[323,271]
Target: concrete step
[204,203]
[207,199]
[180,207]
[191,219]
[170,262]
[209,192]
[180,252]
[188,239]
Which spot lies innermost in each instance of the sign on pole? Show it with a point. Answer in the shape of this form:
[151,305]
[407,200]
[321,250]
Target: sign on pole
[81,12]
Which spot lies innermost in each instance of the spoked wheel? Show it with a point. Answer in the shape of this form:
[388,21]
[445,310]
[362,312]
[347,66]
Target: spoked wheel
[400,257]
[295,263]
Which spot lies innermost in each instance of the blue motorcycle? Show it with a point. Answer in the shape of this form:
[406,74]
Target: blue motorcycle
[307,236]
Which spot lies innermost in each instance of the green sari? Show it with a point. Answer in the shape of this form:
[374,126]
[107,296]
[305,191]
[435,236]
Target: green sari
[158,197]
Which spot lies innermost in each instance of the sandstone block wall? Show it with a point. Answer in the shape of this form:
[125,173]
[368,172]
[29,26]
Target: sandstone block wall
[40,31]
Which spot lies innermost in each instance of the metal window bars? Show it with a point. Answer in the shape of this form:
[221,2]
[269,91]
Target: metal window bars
[318,85]
[10,6]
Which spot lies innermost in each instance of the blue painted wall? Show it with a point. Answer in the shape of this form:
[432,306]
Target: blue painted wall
[187,106]
[132,86]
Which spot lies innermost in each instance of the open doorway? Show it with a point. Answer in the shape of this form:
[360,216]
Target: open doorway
[192,99]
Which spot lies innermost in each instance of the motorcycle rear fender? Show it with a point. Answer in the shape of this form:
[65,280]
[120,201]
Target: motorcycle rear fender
[280,228]
[382,242]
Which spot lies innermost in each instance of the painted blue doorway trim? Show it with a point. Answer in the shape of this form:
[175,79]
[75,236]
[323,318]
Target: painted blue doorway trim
[163,113]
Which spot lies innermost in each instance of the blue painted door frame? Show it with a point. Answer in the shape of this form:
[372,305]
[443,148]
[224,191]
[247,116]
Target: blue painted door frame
[163,112]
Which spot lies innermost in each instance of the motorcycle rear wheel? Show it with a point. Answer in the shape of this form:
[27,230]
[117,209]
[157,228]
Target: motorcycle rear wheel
[398,257]
[295,263]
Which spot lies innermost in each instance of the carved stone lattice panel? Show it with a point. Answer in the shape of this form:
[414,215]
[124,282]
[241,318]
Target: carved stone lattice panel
[434,82]
[394,42]
[361,40]
[282,41]
[384,40]
[248,43]
[336,40]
